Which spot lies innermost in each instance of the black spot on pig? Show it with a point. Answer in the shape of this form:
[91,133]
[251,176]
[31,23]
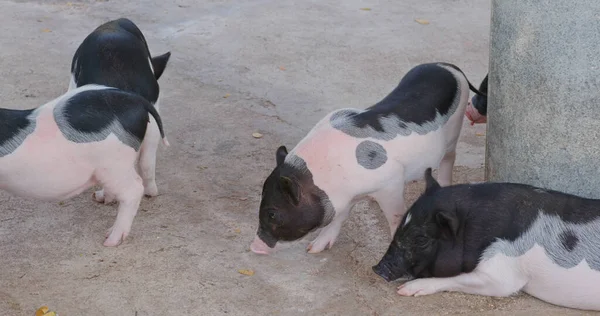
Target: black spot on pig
[116,54]
[370,155]
[480,101]
[15,126]
[291,205]
[569,240]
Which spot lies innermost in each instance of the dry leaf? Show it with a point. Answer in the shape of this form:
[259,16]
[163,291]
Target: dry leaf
[479,134]
[227,95]
[281,68]
[244,272]
[41,311]
[422,21]
[237,231]
[257,135]
[366,9]
[46,30]
[61,203]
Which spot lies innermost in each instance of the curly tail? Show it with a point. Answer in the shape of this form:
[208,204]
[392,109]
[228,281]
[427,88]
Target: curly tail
[152,110]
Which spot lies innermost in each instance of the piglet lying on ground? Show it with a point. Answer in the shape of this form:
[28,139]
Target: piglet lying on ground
[495,239]
[90,135]
[351,154]
[477,109]
[116,55]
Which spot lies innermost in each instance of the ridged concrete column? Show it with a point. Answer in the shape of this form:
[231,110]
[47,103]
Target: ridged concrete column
[544,95]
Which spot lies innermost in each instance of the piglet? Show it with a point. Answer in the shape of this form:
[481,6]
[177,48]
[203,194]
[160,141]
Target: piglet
[89,135]
[351,154]
[495,239]
[116,54]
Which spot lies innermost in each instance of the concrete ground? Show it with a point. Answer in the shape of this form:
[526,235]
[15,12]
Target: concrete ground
[238,67]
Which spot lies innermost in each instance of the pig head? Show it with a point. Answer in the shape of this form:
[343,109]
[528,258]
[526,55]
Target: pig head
[477,109]
[291,205]
[429,241]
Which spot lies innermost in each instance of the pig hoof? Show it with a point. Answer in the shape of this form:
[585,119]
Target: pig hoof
[112,243]
[101,197]
[151,190]
[418,287]
[316,247]
[114,238]
[98,196]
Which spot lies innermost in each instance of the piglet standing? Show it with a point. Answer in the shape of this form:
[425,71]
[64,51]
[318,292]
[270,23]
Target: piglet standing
[351,154]
[116,54]
[477,108]
[496,239]
[90,135]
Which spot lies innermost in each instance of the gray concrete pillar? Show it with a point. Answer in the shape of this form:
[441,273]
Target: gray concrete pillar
[544,95]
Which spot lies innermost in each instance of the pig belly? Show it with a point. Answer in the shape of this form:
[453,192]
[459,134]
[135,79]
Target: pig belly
[44,178]
[576,287]
[48,167]
[416,153]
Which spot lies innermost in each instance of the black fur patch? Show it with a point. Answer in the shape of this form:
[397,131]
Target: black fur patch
[423,92]
[13,121]
[14,127]
[91,116]
[116,55]
[569,240]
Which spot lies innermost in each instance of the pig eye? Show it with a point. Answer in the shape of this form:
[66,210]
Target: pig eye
[421,241]
[271,214]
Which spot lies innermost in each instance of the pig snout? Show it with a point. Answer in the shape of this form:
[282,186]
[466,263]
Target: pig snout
[382,270]
[473,115]
[260,247]
[393,265]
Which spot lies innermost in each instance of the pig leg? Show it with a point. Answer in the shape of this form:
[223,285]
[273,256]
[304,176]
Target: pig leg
[445,170]
[391,202]
[102,196]
[126,186]
[147,161]
[147,164]
[329,233]
[499,276]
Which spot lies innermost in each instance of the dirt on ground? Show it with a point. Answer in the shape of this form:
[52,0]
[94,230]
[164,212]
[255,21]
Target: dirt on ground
[238,67]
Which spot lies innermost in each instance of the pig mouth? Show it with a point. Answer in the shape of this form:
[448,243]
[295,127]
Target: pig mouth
[384,271]
[260,247]
[263,244]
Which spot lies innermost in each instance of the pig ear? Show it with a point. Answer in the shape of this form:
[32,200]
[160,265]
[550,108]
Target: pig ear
[280,155]
[448,223]
[159,63]
[431,184]
[291,189]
